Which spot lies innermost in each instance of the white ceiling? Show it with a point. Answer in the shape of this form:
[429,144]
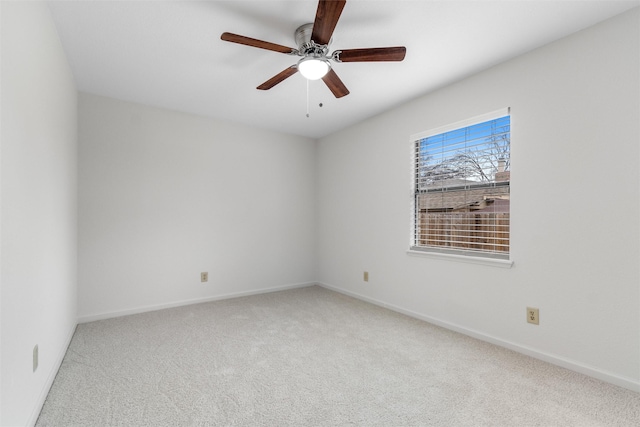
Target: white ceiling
[169,53]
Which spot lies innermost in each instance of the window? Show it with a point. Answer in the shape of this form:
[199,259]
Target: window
[461,188]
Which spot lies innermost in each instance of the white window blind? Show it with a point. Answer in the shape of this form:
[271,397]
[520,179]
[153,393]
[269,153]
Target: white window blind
[461,197]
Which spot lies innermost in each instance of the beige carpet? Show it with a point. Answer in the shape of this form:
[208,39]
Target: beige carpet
[312,357]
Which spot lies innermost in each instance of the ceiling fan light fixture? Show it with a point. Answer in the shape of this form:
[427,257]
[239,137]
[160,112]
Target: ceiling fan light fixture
[313,68]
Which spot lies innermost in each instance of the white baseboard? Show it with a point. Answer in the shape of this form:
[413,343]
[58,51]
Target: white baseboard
[628,383]
[144,309]
[50,378]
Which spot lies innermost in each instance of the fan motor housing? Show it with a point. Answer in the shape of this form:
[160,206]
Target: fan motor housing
[308,47]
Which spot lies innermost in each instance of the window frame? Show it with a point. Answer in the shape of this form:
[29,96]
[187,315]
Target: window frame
[455,254]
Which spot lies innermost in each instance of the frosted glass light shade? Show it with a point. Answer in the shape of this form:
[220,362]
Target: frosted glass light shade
[313,68]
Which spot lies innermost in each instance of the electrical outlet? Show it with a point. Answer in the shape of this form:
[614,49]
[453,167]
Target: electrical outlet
[35,358]
[366,276]
[533,315]
[204,277]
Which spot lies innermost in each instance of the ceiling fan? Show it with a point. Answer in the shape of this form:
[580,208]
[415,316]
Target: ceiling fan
[313,42]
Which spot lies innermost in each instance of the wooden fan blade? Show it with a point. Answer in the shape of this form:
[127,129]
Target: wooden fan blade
[248,41]
[374,54]
[335,85]
[278,78]
[327,17]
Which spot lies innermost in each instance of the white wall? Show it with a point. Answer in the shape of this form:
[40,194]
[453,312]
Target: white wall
[39,207]
[575,206]
[164,196]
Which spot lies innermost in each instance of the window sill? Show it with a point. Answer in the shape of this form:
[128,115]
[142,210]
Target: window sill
[501,263]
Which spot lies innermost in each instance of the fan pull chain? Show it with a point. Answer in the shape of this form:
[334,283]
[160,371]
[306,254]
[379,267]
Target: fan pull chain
[307,98]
